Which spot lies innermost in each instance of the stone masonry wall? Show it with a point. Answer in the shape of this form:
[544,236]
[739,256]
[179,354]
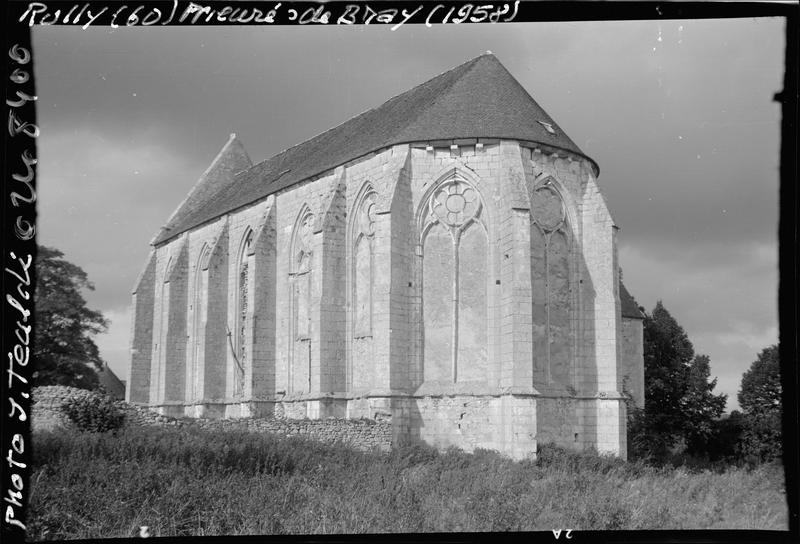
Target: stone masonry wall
[138,389]
[362,434]
[631,372]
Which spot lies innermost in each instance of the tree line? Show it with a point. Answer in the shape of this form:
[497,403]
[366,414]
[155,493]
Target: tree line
[682,415]
[683,418]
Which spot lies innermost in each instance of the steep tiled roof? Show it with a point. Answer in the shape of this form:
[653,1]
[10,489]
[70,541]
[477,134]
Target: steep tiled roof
[478,99]
[231,159]
[628,304]
[113,386]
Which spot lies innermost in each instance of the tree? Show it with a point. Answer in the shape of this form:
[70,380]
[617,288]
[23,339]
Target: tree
[701,408]
[760,400]
[667,357]
[64,352]
[760,391]
[725,443]
[679,405]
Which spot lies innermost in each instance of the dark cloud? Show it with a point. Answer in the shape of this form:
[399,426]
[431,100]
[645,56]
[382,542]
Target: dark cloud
[679,115]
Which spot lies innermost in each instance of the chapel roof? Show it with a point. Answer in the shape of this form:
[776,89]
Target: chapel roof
[112,385]
[477,99]
[628,305]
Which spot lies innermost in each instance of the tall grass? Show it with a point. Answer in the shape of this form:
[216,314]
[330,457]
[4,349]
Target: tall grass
[195,482]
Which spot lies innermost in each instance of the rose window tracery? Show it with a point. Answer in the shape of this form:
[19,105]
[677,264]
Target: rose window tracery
[547,208]
[455,204]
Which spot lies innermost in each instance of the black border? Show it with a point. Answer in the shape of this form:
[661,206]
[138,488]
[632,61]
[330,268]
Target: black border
[17,244]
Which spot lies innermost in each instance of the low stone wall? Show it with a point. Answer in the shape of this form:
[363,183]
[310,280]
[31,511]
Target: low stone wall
[46,413]
[48,400]
[360,433]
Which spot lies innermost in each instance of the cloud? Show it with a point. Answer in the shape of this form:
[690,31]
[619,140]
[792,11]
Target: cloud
[726,300]
[735,350]
[100,201]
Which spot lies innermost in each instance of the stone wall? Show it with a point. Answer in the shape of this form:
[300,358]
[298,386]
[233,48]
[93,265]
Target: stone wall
[631,372]
[360,433]
[505,423]
[138,389]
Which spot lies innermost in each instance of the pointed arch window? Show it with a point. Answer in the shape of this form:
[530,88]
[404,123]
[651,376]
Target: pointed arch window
[455,271]
[200,305]
[243,271]
[551,270]
[300,330]
[363,263]
[161,347]
[302,275]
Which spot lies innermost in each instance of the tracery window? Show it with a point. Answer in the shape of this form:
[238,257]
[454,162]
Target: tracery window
[302,254]
[302,276]
[363,267]
[360,356]
[455,271]
[550,267]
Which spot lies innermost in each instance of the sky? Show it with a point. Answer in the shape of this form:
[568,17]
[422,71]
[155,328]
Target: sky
[678,114]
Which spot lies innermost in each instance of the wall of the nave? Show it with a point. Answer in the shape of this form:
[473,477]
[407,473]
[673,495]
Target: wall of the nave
[631,371]
[138,389]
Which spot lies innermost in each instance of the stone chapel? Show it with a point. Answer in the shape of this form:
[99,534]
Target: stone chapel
[445,261]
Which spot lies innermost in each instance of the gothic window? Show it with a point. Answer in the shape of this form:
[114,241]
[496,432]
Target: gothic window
[362,267]
[200,304]
[360,358]
[301,274]
[550,269]
[302,277]
[454,291]
[242,308]
[161,345]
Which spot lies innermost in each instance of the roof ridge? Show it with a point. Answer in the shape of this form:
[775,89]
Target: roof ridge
[449,86]
[530,96]
[385,102]
[432,79]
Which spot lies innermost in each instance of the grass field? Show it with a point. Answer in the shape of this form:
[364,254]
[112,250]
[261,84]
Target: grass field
[194,482]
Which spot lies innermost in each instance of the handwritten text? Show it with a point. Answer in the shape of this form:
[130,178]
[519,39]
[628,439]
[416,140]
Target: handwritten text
[190,13]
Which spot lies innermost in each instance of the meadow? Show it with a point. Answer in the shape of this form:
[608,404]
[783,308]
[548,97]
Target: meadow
[190,481]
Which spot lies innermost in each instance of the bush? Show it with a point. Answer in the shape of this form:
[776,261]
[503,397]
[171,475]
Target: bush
[761,440]
[410,452]
[95,414]
[726,443]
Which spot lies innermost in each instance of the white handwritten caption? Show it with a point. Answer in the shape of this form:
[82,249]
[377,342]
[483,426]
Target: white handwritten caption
[38,13]
[18,357]
[22,194]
